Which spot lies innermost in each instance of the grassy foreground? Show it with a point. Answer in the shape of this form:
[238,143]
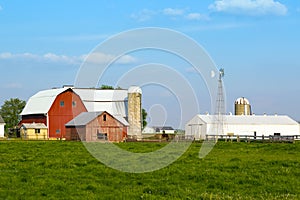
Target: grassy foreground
[65,170]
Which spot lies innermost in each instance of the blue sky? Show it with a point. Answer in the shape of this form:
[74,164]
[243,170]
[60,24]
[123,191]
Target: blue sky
[42,44]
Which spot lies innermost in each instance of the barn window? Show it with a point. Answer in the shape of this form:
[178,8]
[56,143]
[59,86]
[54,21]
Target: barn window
[102,136]
[57,131]
[276,134]
[62,103]
[37,130]
[104,117]
[74,103]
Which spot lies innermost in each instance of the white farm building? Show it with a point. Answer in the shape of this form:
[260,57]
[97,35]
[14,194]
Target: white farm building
[2,124]
[243,125]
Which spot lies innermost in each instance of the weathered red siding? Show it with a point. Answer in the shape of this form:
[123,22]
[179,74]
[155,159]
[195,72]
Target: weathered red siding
[60,114]
[75,133]
[116,131]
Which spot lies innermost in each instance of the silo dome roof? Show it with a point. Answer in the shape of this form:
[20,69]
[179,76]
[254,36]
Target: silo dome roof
[135,89]
[243,101]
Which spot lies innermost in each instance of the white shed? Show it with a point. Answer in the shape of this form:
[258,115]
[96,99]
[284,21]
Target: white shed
[251,125]
[148,129]
[2,124]
[164,129]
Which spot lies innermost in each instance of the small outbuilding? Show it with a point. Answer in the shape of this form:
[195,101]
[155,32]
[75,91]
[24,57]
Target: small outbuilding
[148,129]
[97,126]
[164,129]
[2,124]
[34,131]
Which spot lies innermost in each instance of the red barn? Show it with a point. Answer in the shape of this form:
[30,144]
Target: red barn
[54,108]
[97,126]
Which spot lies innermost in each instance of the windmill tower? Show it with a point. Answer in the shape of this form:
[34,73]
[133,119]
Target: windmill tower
[220,106]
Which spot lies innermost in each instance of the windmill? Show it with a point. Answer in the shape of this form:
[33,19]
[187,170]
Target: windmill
[220,106]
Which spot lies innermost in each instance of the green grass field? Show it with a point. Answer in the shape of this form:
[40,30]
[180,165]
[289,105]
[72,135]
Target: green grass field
[65,170]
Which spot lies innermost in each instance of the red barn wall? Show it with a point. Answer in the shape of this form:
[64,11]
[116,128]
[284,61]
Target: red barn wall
[60,114]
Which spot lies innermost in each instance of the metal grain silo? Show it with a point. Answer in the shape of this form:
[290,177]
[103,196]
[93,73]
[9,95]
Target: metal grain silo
[242,106]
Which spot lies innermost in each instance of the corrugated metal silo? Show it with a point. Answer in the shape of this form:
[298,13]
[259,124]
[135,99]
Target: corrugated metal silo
[242,106]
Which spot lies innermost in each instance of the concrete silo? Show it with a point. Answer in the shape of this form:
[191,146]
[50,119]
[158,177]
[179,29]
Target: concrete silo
[135,112]
[242,106]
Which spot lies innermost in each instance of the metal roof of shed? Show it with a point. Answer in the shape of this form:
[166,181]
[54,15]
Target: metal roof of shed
[163,128]
[83,118]
[251,119]
[34,125]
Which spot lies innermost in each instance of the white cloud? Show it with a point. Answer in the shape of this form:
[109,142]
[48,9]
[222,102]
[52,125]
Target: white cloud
[51,57]
[143,15]
[76,37]
[196,16]
[173,12]
[60,58]
[249,7]
[13,86]
[5,55]
[40,58]
[103,58]
[209,27]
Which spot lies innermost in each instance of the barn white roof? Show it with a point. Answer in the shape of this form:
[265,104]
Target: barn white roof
[41,102]
[112,101]
[97,95]
[251,119]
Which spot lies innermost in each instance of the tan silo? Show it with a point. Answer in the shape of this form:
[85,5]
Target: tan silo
[135,112]
[242,106]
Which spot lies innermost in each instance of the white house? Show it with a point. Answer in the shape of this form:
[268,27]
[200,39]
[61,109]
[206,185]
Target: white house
[164,129]
[251,125]
[148,129]
[2,124]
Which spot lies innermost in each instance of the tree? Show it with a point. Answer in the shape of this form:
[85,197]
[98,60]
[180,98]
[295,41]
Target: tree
[106,87]
[10,112]
[144,115]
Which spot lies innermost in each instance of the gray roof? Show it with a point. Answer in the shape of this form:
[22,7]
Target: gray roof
[121,119]
[1,120]
[34,125]
[163,128]
[84,118]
